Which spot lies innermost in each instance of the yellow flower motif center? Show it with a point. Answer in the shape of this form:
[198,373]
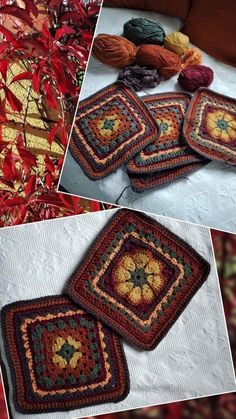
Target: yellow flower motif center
[138,277]
[109,125]
[66,352]
[222,125]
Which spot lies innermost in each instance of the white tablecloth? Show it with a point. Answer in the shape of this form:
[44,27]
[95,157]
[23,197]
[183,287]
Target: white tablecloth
[193,359]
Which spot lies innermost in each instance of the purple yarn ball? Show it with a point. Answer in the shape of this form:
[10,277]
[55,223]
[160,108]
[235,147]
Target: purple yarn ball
[139,78]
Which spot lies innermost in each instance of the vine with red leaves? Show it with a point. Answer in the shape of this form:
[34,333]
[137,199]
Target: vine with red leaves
[48,41]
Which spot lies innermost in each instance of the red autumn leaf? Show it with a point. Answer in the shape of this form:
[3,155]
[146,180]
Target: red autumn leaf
[21,216]
[13,101]
[10,37]
[64,82]
[73,16]
[66,200]
[37,79]
[48,180]
[54,3]
[17,12]
[34,47]
[87,36]
[17,200]
[19,140]
[4,68]
[53,132]
[45,199]
[50,95]
[3,117]
[29,5]
[49,164]
[26,75]
[8,167]
[30,186]
[93,10]
[64,137]
[46,31]
[7,182]
[27,156]
[64,30]
[60,162]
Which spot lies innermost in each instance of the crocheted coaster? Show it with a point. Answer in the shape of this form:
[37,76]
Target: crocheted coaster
[60,357]
[144,182]
[169,149]
[210,125]
[112,126]
[137,278]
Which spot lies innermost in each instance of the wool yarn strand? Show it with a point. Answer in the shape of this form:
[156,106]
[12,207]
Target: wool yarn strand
[144,31]
[114,50]
[166,62]
[195,76]
[177,42]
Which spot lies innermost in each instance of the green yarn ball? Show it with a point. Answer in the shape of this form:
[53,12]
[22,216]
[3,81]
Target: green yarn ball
[143,31]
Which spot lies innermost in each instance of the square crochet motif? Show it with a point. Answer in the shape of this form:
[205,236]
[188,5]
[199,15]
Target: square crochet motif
[141,183]
[137,278]
[169,150]
[112,126]
[210,125]
[60,357]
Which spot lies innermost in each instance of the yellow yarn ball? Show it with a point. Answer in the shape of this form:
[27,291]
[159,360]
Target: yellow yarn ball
[176,42]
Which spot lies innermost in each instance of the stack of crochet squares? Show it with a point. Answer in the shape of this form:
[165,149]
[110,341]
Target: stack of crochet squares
[158,137]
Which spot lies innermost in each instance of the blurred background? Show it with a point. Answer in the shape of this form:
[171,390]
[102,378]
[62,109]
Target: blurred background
[215,407]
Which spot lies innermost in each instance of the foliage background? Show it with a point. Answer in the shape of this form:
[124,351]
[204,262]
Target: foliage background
[44,49]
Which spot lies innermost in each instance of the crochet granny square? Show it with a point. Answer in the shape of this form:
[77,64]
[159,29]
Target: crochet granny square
[144,182]
[60,357]
[112,126]
[210,125]
[169,149]
[137,277]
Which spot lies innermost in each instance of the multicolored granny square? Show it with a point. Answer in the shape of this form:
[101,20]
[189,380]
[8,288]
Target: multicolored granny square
[137,278]
[144,182]
[169,150]
[210,125]
[60,357]
[112,126]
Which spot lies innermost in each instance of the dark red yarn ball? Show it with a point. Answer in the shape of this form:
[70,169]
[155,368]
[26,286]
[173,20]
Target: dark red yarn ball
[195,76]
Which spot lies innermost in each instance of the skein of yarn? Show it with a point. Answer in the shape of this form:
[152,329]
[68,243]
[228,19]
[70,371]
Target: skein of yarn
[166,62]
[195,76]
[139,78]
[191,57]
[177,42]
[144,31]
[113,50]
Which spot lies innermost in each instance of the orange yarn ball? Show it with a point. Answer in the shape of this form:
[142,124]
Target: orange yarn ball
[113,50]
[166,62]
[192,56]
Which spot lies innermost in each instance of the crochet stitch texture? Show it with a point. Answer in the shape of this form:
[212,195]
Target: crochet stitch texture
[137,278]
[112,126]
[60,357]
[169,150]
[210,125]
[141,183]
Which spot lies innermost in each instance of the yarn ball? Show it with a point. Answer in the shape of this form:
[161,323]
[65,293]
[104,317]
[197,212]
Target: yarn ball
[113,50]
[139,78]
[177,42]
[192,56]
[144,31]
[166,62]
[195,76]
